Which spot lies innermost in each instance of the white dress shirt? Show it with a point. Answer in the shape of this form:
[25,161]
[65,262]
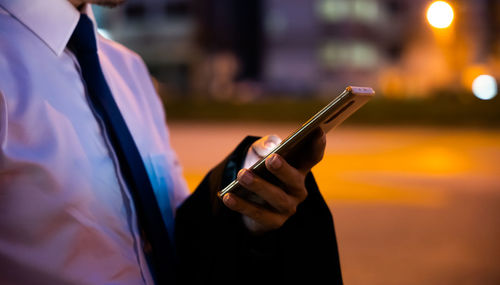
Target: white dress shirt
[66,217]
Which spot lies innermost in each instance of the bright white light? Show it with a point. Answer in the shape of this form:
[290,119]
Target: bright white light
[440,14]
[484,87]
[104,33]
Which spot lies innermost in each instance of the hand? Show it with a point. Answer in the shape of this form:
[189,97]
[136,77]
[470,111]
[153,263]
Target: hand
[283,199]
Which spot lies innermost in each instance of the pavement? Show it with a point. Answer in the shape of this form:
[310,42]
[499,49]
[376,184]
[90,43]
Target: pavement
[410,205]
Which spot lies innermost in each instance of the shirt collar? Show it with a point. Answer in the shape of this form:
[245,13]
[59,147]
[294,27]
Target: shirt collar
[53,21]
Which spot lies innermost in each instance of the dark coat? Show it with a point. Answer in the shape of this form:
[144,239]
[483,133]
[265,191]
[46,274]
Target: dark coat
[214,247]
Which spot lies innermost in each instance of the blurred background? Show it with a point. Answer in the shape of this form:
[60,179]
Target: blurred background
[412,178]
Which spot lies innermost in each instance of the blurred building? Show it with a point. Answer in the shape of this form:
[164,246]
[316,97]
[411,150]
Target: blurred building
[160,31]
[325,45]
[309,46]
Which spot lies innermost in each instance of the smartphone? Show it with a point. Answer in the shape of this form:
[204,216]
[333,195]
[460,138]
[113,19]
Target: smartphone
[332,115]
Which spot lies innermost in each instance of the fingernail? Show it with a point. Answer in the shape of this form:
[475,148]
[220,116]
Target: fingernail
[229,201]
[245,177]
[275,161]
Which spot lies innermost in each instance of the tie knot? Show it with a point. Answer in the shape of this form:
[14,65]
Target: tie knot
[83,39]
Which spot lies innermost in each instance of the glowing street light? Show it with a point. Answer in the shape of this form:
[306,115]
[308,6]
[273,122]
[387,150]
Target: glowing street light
[484,87]
[440,14]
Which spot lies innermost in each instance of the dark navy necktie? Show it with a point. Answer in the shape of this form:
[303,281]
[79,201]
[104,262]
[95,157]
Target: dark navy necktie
[161,254]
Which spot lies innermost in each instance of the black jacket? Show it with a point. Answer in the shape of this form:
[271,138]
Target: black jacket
[214,247]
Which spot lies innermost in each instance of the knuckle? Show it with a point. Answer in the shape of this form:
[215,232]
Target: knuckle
[303,195]
[275,224]
[280,222]
[319,152]
[322,141]
[320,156]
[292,210]
[299,186]
[300,180]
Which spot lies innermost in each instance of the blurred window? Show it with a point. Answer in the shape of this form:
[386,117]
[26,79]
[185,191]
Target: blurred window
[334,10]
[366,10]
[341,10]
[359,55]
[276,23]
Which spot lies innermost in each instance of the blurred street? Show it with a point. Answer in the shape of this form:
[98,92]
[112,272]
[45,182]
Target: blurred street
[411,205]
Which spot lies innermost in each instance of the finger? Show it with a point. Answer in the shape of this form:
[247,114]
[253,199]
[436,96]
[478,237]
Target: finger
[272,194]
[318,145]
[309,152]
[292,178]
[267,219]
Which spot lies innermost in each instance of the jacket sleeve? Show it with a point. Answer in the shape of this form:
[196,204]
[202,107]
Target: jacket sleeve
[214,247]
